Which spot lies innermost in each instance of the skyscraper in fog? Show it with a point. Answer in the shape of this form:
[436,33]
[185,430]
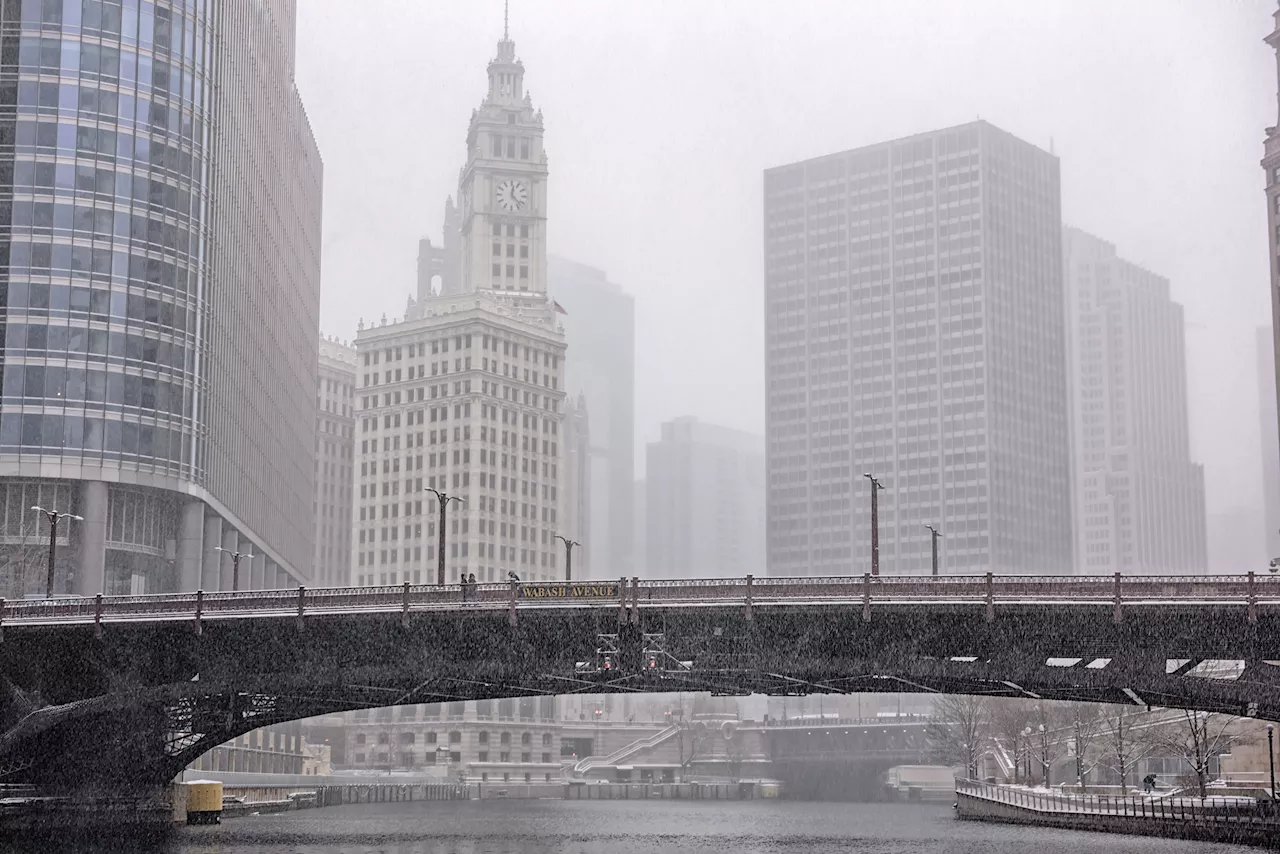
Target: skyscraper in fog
[1138,499]
[1271,168]
[600,322]
[161,294]
[1270,430]
[914,322]
[334,459]
[705,502]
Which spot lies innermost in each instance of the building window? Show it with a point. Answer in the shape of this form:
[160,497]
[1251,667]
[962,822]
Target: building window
[524,149]
[497,145]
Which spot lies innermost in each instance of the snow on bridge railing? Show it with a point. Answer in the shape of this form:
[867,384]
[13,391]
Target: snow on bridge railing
[624,594]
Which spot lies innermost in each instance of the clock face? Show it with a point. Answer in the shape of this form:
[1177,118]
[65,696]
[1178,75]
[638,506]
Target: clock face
[512,195]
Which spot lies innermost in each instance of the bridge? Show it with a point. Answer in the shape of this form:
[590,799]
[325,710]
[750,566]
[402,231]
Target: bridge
[118,692]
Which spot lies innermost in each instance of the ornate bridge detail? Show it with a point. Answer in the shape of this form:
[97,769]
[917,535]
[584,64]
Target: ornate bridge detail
[122,691]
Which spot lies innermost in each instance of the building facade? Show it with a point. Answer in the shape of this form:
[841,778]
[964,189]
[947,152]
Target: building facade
[704,488]
[335,439]
[276,749]
[1138,499]
[1270,428]
[1271,169]
[465,396]
[914,331]
[600,366]
[159,325]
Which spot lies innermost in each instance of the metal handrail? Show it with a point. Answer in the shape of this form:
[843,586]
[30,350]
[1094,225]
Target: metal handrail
[1159,806]
[869,591]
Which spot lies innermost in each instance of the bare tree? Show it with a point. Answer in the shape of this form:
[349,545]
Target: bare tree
[1124,744]
[691,736]
[960,730]
[1196,738]
[1009,717]
[733,759]
[1086,730]
[22,566]
[1050,725]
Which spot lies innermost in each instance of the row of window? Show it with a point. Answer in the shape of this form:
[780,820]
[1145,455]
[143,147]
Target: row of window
[72,432]
[72,385]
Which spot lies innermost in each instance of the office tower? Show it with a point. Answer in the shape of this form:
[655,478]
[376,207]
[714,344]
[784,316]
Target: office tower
[704,488]
[335,435]
[1270,449]
[640,525]
[466,394]
[161,294]
[1271,168]
[576,493]
[914,321]
[1138,500]
[600,322]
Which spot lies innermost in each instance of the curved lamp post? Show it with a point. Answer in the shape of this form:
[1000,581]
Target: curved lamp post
[53,516]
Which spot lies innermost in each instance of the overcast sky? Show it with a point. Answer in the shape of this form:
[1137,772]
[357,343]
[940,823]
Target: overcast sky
[661,115]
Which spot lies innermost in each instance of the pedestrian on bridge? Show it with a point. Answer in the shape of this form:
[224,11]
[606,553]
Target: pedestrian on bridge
[471,583]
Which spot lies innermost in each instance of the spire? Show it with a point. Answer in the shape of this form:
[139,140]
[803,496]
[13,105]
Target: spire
[506,8]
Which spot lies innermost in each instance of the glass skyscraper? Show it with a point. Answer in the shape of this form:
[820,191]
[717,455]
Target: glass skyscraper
[159,276]
[915,331]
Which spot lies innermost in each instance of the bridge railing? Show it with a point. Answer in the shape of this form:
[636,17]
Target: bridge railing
[1158,806]
[1248,590]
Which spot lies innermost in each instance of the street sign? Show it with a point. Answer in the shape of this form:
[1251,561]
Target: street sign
[570,590]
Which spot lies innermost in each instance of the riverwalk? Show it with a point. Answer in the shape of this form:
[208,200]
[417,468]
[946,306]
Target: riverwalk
[1237,820]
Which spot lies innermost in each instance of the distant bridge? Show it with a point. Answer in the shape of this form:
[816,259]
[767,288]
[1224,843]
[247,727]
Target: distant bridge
[117,691]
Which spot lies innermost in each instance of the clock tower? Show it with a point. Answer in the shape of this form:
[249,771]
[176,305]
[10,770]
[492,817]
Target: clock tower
[503,187]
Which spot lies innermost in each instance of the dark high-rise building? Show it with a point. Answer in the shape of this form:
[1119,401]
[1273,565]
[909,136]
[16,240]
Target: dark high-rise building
[914,321]
[161,192]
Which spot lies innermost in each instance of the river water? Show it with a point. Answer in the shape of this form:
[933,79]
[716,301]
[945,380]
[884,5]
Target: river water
[630,827]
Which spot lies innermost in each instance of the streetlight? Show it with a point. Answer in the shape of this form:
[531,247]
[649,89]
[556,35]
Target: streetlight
[1271,756]
[876,486]
[934,536]
[1026,735]
[1044,753]
[54,516]
[443,500]
[568,556]
[235,564]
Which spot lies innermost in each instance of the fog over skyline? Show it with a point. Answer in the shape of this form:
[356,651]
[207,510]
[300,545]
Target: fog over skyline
[661,117]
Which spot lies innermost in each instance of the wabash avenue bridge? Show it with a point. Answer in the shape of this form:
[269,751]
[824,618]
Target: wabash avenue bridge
[123,692]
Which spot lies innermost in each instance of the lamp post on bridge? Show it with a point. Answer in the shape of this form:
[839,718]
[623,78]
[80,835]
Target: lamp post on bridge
[1271,756]
[443,500]
[568,556]
[1026,737]
[235,564]
[876,486]
[53,517]
[934,536]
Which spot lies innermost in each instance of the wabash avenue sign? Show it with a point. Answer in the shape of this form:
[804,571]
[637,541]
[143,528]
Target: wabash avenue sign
[570,590]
